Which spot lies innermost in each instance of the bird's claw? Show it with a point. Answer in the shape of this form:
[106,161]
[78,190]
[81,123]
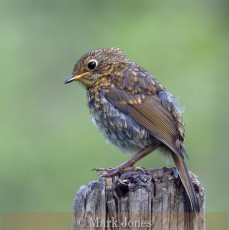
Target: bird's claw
[106,171]
[113,171]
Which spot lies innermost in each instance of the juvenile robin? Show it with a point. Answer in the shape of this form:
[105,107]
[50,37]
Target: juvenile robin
[133,110]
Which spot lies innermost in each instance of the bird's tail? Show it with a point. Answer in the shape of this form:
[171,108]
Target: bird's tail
[186,181]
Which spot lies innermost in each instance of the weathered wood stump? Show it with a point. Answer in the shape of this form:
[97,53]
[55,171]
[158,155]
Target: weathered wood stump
[153,199]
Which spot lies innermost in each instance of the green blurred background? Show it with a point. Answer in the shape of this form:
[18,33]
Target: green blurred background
[48,142]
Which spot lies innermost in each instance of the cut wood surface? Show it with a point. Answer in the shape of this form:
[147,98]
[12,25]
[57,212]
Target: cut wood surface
[149,199]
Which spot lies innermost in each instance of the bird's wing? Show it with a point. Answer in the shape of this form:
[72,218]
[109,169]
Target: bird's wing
[149,112]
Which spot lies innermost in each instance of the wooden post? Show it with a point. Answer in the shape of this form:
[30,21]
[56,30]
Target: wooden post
[153,199]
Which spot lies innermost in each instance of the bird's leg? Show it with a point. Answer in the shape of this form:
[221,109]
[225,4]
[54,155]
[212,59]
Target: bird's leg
[127,164]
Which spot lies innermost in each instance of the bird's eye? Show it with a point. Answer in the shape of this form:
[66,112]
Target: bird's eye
[92,64]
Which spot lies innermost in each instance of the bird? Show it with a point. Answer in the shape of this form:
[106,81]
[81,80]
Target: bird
[133,110]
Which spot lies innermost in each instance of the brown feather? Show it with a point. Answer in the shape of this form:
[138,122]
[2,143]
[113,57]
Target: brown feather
[151,115]
[186,181]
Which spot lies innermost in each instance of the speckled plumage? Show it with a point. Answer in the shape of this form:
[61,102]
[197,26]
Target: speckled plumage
[132,109]
[118,128]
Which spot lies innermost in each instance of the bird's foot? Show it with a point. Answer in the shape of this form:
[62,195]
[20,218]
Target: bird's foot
[113,171]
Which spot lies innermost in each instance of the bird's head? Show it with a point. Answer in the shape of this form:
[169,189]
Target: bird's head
[96,64]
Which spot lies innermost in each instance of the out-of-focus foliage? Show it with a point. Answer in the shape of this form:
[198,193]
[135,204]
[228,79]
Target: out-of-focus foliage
[48,142]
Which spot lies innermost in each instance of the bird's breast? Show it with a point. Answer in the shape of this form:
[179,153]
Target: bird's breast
[118,128]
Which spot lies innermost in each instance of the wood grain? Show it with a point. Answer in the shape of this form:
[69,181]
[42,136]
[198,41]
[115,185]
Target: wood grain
[153,199]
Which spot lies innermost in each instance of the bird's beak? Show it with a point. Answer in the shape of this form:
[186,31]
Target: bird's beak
[75,78]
